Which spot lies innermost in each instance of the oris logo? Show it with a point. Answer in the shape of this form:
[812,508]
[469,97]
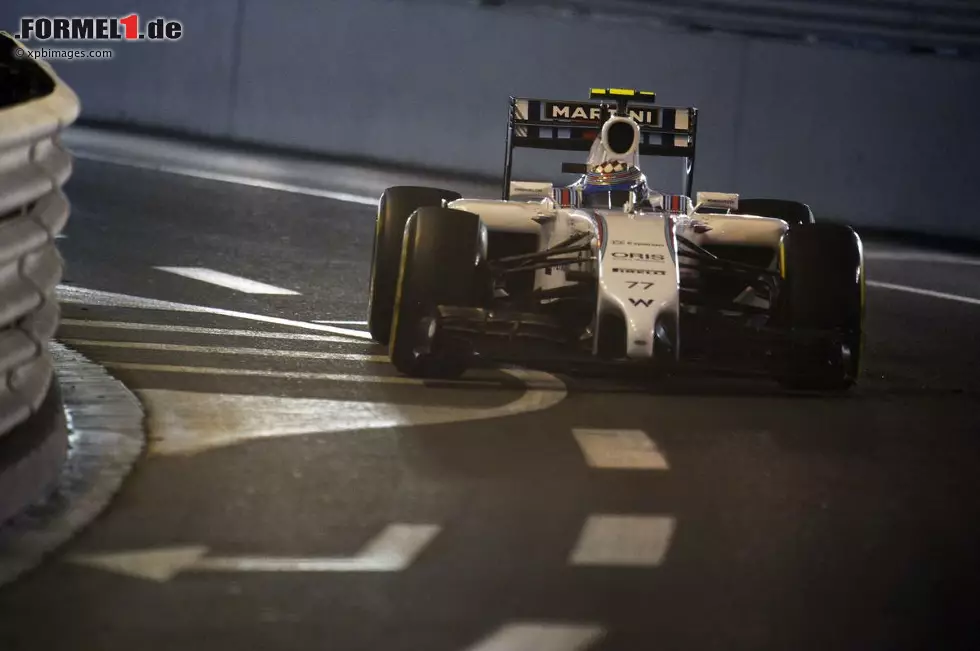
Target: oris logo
[649,257]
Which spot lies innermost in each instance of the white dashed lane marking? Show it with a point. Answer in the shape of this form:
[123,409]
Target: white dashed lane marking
[228,281]
[541,636]
[623,541]
[619,449]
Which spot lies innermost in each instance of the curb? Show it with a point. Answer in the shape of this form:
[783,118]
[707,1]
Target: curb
[105,439]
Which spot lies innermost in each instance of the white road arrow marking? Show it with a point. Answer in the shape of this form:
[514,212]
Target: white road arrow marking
[393,550]
[150,564]
[541,636]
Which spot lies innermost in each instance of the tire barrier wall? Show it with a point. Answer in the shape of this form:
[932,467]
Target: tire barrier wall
[863,137]
[34,108]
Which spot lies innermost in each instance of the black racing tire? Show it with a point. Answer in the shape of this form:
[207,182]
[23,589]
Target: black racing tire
[821,304]
[396,206]
[441,264]
[791,212]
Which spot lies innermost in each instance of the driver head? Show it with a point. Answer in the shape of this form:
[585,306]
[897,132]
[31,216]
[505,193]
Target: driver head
[610,184]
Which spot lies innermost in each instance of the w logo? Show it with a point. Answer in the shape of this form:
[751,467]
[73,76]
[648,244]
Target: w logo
[641,302]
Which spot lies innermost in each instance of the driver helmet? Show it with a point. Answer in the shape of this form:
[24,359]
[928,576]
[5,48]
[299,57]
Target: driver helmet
[609,184]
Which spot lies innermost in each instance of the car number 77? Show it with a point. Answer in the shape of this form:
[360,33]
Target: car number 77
[633,284]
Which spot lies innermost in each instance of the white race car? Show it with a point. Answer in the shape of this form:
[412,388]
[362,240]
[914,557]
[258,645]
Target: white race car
[610,270]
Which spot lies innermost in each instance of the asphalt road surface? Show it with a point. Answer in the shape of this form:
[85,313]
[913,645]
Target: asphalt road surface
[299,495]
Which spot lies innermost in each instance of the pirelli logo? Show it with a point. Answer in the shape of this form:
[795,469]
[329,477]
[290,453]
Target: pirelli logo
[642,272]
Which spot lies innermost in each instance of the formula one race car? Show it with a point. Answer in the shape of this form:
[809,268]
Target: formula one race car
[608,269]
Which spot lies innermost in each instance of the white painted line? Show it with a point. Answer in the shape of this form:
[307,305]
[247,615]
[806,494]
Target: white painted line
[363,323]
[619,449]
[924,292]
[393,550]
[234,178]
[623,540]
[95,297]
[542,390]
[226,350]
[287,375]
[188,422]
[541,636]
[228,281]
[218,332]
[922,256]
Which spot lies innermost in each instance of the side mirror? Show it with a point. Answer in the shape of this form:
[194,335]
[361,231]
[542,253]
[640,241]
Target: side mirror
[719,200]
[530,190]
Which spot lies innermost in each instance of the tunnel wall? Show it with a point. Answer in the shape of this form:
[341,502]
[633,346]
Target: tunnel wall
[861,136]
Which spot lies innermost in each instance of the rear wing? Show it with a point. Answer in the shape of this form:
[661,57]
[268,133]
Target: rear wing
[574,125]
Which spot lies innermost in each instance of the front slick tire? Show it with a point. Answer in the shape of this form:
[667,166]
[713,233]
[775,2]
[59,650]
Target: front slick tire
[822,306]
[439,266]
[396,206]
